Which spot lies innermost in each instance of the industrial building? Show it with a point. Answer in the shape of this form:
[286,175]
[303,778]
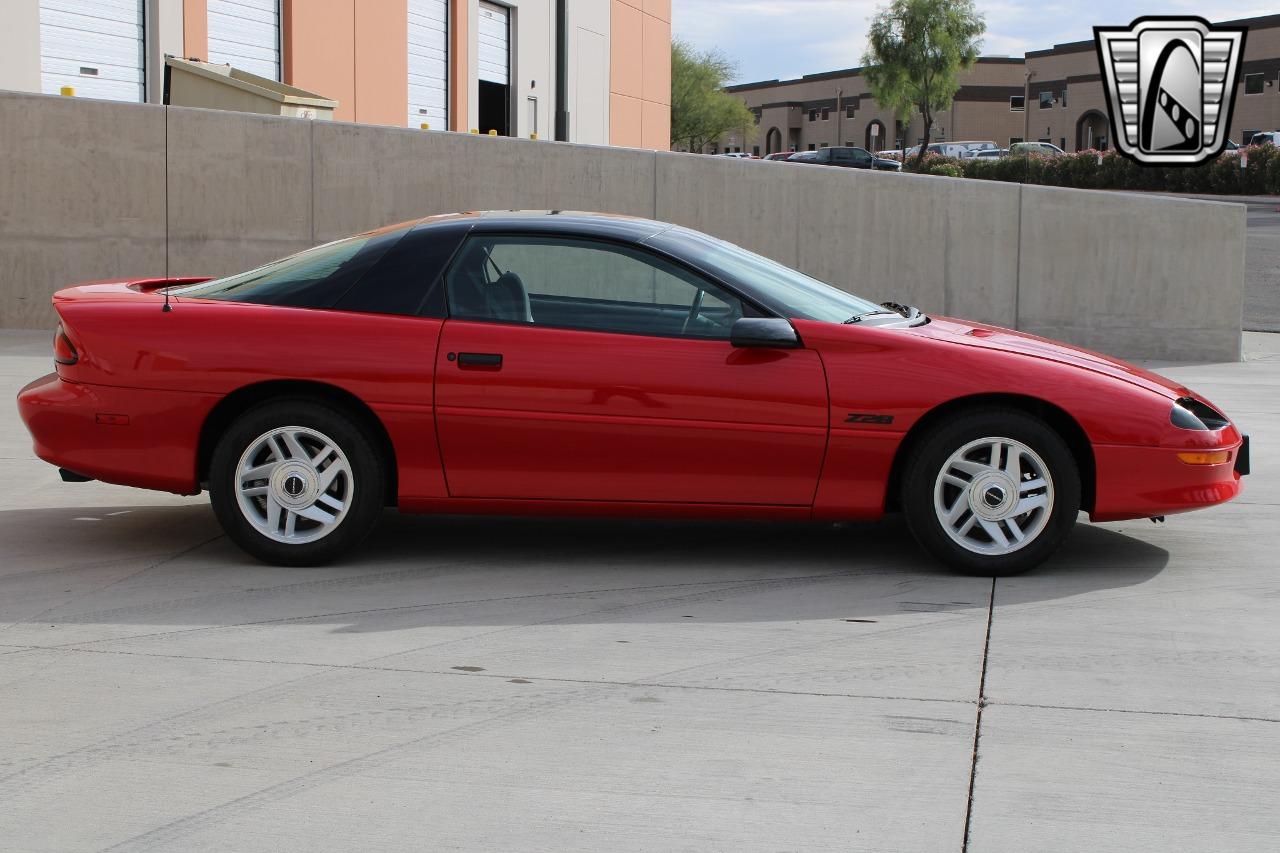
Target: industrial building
[594,71]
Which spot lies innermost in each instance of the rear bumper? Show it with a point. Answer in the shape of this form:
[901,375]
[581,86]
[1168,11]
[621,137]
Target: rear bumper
[130,436]
[1143,482]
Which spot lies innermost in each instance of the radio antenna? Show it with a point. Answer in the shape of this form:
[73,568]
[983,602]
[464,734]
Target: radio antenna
[167,307]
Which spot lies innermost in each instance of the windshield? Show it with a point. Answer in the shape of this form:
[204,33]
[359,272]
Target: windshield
[782,289]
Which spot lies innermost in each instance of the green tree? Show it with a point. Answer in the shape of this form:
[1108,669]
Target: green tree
[701,111]
[916,50]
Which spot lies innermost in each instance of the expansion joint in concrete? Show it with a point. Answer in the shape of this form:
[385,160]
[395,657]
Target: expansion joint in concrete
[977,723]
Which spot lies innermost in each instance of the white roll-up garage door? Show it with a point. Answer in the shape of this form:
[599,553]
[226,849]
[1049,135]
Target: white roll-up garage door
[245,34]
[95,46]
[429,63]
[495,41]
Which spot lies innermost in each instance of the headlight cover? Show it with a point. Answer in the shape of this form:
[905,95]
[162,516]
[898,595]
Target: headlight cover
[1190,413]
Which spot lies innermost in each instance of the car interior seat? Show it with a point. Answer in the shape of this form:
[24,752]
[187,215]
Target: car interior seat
[504,299]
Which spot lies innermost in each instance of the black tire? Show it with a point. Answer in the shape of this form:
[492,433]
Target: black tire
[933,451]
[363,504]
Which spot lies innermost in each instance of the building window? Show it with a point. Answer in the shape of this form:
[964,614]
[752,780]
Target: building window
[1014,140]
[1062,143]
[1253,84]
[1046,100]
[1064,99]
[1247,136]
[755,150]
[826,115]
[1016,103]
[813,115]
[812,147]
[1046,139]
[824,145]
[849,111]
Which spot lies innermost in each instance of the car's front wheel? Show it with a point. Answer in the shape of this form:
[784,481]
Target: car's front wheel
[991,492]
[296,483]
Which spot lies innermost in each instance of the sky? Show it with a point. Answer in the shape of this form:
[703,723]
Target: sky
[784,39]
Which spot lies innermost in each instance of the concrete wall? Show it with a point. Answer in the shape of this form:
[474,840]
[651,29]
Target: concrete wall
[94,189]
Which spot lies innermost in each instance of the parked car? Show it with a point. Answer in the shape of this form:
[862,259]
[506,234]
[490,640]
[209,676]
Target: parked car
[1047,149]
[965,150]
[848,157]
[561,363]
[960,149]
[740,155]
[1267,137]
[778,155]
[990,154]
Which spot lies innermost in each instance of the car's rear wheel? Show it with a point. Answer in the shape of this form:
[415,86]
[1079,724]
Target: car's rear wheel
[991,492]
[295,482]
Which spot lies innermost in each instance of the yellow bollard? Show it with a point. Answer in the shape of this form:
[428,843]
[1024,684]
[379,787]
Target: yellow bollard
[474,130]
[67,91]
[533,136]
[493,133]
[426,126]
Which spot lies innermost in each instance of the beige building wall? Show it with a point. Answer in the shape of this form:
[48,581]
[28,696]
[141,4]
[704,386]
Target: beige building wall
[340,49]
[640,73]
[982,108]
[791,112]
[355,52]
[1073,68]
[20,46]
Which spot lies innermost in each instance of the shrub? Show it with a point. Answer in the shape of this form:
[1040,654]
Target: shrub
[1111,170]
[1273,175]
[1253,179]
[1224,175]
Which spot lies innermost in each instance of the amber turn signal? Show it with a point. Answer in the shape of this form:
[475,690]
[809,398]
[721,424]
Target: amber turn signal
[1205,457]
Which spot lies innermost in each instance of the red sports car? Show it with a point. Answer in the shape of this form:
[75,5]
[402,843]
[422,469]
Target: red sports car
[557,363]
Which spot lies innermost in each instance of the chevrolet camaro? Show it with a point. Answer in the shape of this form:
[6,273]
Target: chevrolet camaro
[581,364]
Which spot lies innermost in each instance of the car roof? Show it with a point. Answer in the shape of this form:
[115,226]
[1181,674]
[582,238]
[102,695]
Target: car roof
[565,222]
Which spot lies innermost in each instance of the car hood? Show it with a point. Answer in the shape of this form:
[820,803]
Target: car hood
[1008,340]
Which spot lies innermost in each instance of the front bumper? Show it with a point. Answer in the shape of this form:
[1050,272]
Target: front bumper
[1145,482]
[130,436]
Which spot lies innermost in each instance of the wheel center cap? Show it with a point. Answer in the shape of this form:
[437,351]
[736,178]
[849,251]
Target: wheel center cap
[992,496]
[295,485]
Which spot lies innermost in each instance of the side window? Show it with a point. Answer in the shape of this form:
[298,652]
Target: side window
[583,284]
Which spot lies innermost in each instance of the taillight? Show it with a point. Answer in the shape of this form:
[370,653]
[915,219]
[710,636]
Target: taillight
[64,352]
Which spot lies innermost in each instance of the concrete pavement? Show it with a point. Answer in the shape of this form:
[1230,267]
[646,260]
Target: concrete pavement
[491,684]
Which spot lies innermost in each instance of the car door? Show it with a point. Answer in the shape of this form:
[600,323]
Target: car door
[575,369]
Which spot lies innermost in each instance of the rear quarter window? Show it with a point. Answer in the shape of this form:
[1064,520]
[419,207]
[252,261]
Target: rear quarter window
[315,278]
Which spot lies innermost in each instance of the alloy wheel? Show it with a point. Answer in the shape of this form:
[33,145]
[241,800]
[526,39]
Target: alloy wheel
[294,484]
[994,496]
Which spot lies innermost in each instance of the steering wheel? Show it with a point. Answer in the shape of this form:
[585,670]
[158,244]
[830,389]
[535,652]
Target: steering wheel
[693,311]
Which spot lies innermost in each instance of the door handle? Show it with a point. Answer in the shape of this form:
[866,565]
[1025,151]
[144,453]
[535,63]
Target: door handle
[480,359]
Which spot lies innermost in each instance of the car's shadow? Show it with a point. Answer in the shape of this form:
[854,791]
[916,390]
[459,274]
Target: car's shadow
[170,565]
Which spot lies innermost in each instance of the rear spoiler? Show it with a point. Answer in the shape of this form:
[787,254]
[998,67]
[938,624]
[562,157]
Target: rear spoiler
[119,288]
[149,285]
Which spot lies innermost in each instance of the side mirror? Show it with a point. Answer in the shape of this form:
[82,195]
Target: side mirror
[763,332]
